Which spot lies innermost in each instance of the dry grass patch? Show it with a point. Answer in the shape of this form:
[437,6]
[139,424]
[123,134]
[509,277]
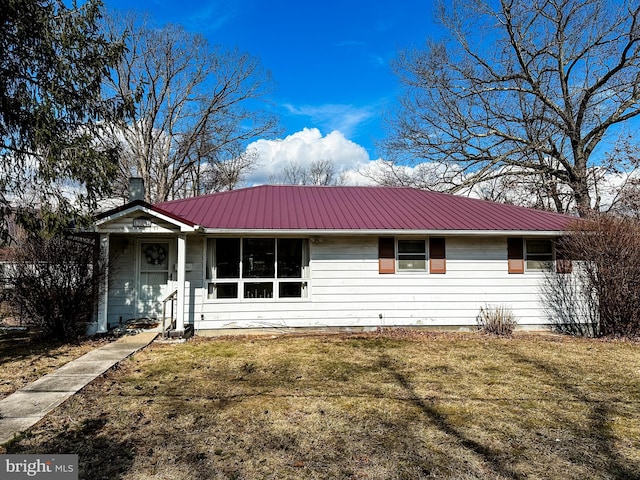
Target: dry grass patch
[366,406]
[24,358]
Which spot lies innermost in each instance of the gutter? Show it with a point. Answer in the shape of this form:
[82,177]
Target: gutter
[447,233]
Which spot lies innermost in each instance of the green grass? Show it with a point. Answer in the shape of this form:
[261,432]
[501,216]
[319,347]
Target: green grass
[458,406]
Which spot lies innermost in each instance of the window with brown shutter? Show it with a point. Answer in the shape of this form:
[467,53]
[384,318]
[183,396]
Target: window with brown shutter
[538,254]
[386,255]
[515,255]
[412,255]
[437,256]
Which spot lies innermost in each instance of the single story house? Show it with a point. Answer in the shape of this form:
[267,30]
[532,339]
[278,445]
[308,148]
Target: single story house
[284,257]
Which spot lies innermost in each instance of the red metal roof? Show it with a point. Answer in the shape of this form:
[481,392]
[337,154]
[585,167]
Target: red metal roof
[289,207]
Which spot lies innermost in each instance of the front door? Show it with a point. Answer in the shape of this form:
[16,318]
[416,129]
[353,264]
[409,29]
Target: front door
[154,277]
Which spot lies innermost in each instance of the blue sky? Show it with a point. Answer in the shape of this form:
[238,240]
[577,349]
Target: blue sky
[330,60]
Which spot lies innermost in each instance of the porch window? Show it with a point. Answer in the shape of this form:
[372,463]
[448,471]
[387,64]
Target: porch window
[290,257]
[257,257]
[258,290]
[291,289]
[253,268]
[227,258]
[223,290]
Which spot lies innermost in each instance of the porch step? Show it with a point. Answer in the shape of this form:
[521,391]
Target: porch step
[186,333]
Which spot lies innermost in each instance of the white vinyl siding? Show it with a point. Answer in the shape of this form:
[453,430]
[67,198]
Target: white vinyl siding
[122,282]
[122,276]
[346,290]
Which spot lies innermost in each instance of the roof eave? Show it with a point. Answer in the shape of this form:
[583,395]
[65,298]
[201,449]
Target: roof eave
[364,232]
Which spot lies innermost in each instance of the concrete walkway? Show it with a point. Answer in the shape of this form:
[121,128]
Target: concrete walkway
[26,407]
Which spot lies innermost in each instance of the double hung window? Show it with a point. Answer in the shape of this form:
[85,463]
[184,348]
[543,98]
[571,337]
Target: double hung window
[531,255]
[539,254]
[411,255]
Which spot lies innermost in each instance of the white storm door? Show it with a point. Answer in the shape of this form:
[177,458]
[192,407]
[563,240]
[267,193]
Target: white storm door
[153,278]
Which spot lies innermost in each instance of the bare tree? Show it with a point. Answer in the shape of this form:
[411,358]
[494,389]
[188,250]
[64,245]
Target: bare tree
[292,174]
[54,283]
[627,202]
[319,172]
[323,172]
[192,115]
[526,88]
[226,175]
[600,294]
[426,176]
[525,189]
[509,185]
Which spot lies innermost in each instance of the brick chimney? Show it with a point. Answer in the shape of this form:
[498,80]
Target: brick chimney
[136,189]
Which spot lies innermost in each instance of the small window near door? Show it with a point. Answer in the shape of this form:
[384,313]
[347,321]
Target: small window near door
[223,290]
[412,255]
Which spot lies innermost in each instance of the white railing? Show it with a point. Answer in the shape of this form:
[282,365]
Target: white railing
[172,297]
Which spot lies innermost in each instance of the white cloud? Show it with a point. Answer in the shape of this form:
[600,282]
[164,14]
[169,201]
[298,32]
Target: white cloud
[204,19]
[344,118]
[305,147]
[377,60]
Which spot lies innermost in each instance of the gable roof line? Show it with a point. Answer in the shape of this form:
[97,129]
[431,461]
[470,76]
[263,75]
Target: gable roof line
[146,207]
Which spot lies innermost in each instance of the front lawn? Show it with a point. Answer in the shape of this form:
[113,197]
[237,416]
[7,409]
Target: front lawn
[24,358]
[379,406]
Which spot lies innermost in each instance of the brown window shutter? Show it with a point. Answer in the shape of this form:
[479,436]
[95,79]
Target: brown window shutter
[386,255]
[563,262]
[437,256]
[515,255]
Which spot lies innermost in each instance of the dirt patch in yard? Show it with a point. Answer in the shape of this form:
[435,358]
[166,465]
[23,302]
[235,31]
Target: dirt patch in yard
[25,357]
